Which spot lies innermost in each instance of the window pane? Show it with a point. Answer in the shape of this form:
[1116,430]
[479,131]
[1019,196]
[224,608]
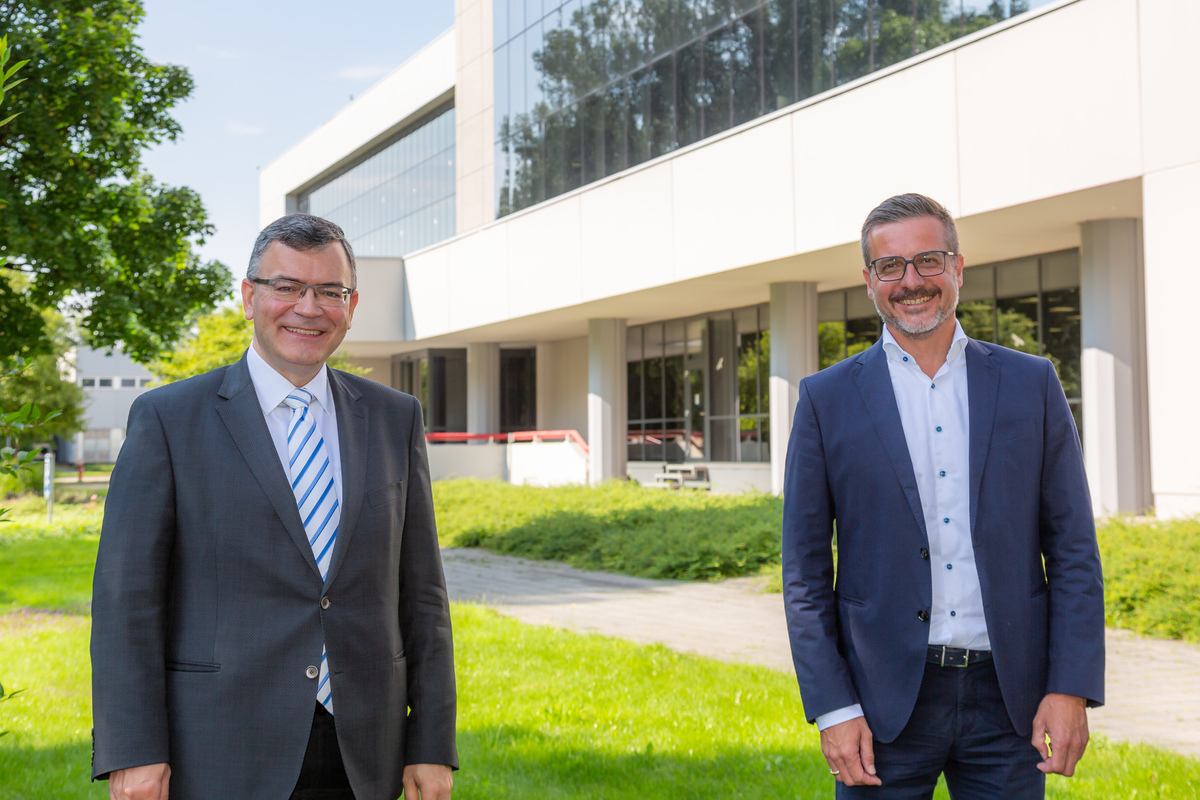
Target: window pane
[634,443]
[128,383]
[654,442]
[640,128]
[746,68]
[764,372]
[831,343]
[499,22]
[533,76]
[690,92]
[500,84]
[1017,323]
[779,54]
[1062,337]
[750,443]
[675,442]
[748,373]
[633,358]
[106,383]
[977,318]
[861,334]
[663,110]
[592,119]
[765,429]
[716,109]
[654,371]
[673,381]
[615,121]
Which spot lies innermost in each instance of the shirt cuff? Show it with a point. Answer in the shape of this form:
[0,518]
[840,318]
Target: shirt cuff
[837,717]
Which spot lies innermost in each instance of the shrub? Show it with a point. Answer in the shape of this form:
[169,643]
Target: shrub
[619,526]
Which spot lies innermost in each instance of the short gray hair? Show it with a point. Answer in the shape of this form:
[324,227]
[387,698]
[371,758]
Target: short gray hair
[904,207]
[302,232]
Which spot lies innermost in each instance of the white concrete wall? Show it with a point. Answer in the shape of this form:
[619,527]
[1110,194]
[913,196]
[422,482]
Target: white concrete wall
[485,461]
[108,407]
[1028,111]
[547,463]
[413,88]
[566,386]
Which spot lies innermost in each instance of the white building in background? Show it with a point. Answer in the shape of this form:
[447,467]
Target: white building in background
[575,215]
[111,383]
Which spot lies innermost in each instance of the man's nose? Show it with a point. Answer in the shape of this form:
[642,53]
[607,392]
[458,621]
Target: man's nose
[307,304]
[911,277]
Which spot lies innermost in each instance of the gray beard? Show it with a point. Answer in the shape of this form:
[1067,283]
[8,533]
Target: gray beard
[925,331]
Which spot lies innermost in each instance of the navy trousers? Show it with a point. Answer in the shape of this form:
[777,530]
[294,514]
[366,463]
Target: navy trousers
[959,727]
[323,775]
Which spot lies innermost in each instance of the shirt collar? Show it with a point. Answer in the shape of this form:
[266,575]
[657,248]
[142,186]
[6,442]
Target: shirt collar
[272,388]
[896,353]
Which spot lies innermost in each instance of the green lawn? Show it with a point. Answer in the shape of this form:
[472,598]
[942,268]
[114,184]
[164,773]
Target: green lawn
[543,713]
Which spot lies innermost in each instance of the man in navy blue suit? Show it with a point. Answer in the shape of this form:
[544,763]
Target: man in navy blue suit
[966,623]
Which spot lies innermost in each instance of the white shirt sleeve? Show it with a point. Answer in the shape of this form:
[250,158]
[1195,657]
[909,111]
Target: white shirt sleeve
[837,717]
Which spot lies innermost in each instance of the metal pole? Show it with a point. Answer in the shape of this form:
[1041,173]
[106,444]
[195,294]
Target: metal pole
[48,485]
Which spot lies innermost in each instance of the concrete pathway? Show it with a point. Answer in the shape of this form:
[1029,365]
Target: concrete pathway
[1153,686]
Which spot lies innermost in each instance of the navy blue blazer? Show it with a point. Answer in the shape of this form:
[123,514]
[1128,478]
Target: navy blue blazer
[861,639]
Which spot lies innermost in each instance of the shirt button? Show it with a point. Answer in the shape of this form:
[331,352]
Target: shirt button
[952,614]
[933,386]
[906,358]
[942,473]
[924,553]
[923,615]
[949,566]
[946,520]
[939,428]
[312,673]
[325,602]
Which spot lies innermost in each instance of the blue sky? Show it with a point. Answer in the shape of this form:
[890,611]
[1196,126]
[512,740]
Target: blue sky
[267,72]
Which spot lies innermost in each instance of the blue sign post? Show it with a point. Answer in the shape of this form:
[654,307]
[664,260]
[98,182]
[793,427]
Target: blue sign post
[48,485]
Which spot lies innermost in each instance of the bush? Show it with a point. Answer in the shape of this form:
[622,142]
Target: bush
[1152,576]
[26,481]
[618,526]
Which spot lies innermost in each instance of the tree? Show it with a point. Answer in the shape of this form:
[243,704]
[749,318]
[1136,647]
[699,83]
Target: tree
[79,216]
[217,340]
[45,381]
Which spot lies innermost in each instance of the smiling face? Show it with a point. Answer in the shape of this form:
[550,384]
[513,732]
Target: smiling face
[914,307]
[297,337]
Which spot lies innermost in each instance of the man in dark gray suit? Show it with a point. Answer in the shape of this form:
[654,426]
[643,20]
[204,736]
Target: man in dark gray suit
[270,617]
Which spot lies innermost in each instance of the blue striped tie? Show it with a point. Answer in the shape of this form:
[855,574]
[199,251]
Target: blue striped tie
[312,483]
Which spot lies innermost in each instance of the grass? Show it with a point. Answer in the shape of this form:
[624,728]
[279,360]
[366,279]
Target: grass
[1151,569]
[619,527]
[542,713]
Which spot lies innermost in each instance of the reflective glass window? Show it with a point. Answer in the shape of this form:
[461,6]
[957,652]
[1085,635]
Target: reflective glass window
[398,198]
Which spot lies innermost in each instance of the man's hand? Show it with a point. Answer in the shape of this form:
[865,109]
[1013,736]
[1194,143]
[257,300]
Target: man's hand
[427,782]
[1064,717]
[849,748]
[140,783]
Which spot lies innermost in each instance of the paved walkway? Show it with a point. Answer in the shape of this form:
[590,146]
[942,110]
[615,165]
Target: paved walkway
[1153,686]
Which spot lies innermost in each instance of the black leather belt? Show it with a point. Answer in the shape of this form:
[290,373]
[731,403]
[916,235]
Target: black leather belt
[956,656]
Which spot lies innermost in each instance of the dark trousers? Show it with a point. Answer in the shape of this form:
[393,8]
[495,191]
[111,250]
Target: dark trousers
[322,776]
[959,727]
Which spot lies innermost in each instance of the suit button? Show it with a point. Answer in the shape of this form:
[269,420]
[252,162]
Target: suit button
[312,672]
[325,602]
[924,554]
[923,615]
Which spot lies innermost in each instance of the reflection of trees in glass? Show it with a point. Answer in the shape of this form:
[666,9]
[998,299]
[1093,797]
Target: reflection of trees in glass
[831,341]
[977,320]
[618,83]
[753,361]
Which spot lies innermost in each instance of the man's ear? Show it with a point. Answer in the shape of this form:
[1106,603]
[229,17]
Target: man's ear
[867,280]
[248,298]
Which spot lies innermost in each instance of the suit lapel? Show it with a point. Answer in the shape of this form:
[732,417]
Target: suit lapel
[983,382]
[352,446]
[243,417]
[875,385]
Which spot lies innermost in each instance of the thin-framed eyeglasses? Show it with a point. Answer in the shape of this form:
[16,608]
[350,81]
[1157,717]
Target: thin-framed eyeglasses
[327,295]
[929,264]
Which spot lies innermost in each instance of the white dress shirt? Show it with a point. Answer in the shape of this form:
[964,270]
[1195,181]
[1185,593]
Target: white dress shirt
[272,388]
[934,415]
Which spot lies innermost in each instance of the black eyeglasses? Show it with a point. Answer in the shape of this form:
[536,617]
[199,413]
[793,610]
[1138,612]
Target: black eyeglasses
[292,291]
[927,265]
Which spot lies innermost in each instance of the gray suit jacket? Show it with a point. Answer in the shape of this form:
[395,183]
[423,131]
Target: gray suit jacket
[208,607]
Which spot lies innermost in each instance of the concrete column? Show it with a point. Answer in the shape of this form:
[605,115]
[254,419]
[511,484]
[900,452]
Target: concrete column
[544,391]
[1170,207]
[793,356]
[483,387]
[607,415]
[1113,370]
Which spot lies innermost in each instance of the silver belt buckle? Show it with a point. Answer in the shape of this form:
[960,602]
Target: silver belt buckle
[943,656]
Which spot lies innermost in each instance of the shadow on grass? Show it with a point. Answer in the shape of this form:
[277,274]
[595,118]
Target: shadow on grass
[681,543]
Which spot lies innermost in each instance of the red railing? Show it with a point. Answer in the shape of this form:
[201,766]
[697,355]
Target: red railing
[504,438]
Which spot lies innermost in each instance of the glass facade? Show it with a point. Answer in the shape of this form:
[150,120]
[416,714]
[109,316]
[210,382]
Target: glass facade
[698,388]
[1030,304]
[400,197]
[587,88]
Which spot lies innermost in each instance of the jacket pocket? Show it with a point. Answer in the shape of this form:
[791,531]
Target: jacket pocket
[385,494]
[192,666]
[850,601]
